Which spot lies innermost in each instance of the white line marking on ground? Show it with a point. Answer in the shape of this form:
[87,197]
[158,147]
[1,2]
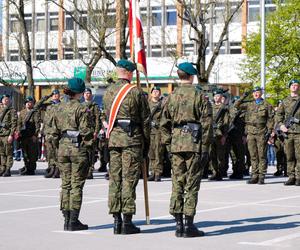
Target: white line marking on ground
[27,180]
[273,241]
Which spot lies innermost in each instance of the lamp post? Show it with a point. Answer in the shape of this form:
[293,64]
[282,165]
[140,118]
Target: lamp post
[263,46]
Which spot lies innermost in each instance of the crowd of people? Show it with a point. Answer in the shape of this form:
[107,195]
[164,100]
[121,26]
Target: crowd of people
[184,135]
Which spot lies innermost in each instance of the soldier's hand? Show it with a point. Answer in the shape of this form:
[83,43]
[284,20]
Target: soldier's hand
[10,139]
[283,128]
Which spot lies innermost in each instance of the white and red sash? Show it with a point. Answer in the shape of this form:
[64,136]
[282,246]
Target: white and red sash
[116,106]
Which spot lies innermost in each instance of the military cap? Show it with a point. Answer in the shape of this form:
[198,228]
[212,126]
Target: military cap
[293,82]
[87,90]
[76,85]
[55,92]
[257,88]
[125,64]
[187,68]
[155,88]
[5,95]
[29,99]
[218,92]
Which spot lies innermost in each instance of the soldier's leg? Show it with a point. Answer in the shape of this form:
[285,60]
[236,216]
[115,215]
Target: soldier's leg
[252,146]
[239,155]
[64,165]
[262,156]
[115,181]
[32,151]
[158,166]
[25,151]
[178,182]
[290,156]
[2,156]
[9,158]
[50,159]
[151,157]
[222,163]
[214,161]
[297,155]
[91,160]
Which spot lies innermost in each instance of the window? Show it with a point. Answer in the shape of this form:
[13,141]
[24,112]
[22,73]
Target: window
[69,23]
[83,19]
[40,55]
[171,15]
[53,54]
[53,24]
[13,55]
[156,16]
[40,24]
[254,9]
[68,54]
[111,21]
[14,26]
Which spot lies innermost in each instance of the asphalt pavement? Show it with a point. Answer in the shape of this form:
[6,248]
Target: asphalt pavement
[233,215]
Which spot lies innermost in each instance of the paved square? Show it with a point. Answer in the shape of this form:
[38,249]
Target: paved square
[233,215]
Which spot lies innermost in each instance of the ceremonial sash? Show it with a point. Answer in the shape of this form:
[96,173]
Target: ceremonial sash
[116,106]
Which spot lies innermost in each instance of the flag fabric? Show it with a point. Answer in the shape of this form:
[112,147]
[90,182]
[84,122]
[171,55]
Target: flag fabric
[136,36]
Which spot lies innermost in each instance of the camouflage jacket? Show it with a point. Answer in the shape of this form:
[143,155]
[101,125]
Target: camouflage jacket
[33,125]
[258,117]
[9,122]
[220,127]
[71,116]
[284,111]
[93,109]
[155,114]
[236,122]
[48,117]
[134,107]
[186,104]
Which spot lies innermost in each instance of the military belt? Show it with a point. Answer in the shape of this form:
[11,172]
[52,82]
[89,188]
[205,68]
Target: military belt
[195,129]
[73,135]
[127,125]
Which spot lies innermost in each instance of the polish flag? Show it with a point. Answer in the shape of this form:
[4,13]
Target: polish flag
[136,37]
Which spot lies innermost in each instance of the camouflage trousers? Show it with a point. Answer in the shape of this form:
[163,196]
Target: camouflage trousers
[6,153]
[292,150]
[30,152]
[237,154]
[73,169]
[280,155]
[217,156]
[186,179]
[155,155]
[124,173]
[257,146]
[51,153]
[91,157]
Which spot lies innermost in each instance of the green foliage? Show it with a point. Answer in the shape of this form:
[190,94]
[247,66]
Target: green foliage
[282,50]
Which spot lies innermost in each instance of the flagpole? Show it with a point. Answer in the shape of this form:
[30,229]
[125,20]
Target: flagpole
[134,56]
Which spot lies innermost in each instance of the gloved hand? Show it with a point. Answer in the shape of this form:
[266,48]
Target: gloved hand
[204,158]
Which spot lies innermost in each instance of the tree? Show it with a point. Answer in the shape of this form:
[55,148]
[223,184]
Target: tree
[198,14]
[282,50]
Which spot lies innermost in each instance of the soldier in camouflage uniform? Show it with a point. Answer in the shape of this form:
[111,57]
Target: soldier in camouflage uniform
[220,127]
[8,125]
[72,131]
[52,170]
[155,151]
[94,111]
[186,127]
[259,126]
[289,123]
[129,135]
[28,129]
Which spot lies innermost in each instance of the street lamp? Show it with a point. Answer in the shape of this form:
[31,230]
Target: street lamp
[263,46]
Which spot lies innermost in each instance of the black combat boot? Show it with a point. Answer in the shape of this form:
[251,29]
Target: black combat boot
[2,171]
[117,223]
[56,173]
[157,178]
[90,175]
[291,181]
[151,177]
[190,230]
[215,177]
[128,227]
[261,181]
[74,223]
[253,180]
[278,173]
[235,176]
[297,182]
[23,171]
[66,214]
[179,225]
[49,172]
[7,173]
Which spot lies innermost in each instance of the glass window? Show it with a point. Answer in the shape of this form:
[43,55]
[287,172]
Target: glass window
[69,23]
[111,21]
[171,15]
[83,21]
[40,25]
[40,54]
[28,24]
[253,15]
[53,24]
[156,16]
[53,54]
[14,26]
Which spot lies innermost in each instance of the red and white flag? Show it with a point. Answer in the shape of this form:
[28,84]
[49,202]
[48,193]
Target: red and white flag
[136,36]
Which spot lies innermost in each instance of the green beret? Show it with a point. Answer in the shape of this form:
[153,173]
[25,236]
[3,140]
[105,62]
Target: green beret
[29,99]
[293,82]
[87,90]
[155,88]
[76,85]
[257,88]
[55,92]
[125,64]
[218,92]
[187,68]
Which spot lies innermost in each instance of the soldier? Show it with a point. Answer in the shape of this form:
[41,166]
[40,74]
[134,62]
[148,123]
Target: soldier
[128,131]
[94,110]
[72,131]
[259,126]
[28,129]
[288,119]
[8,125]
[52,170]
[220,127]
[186,127]
[155,150]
